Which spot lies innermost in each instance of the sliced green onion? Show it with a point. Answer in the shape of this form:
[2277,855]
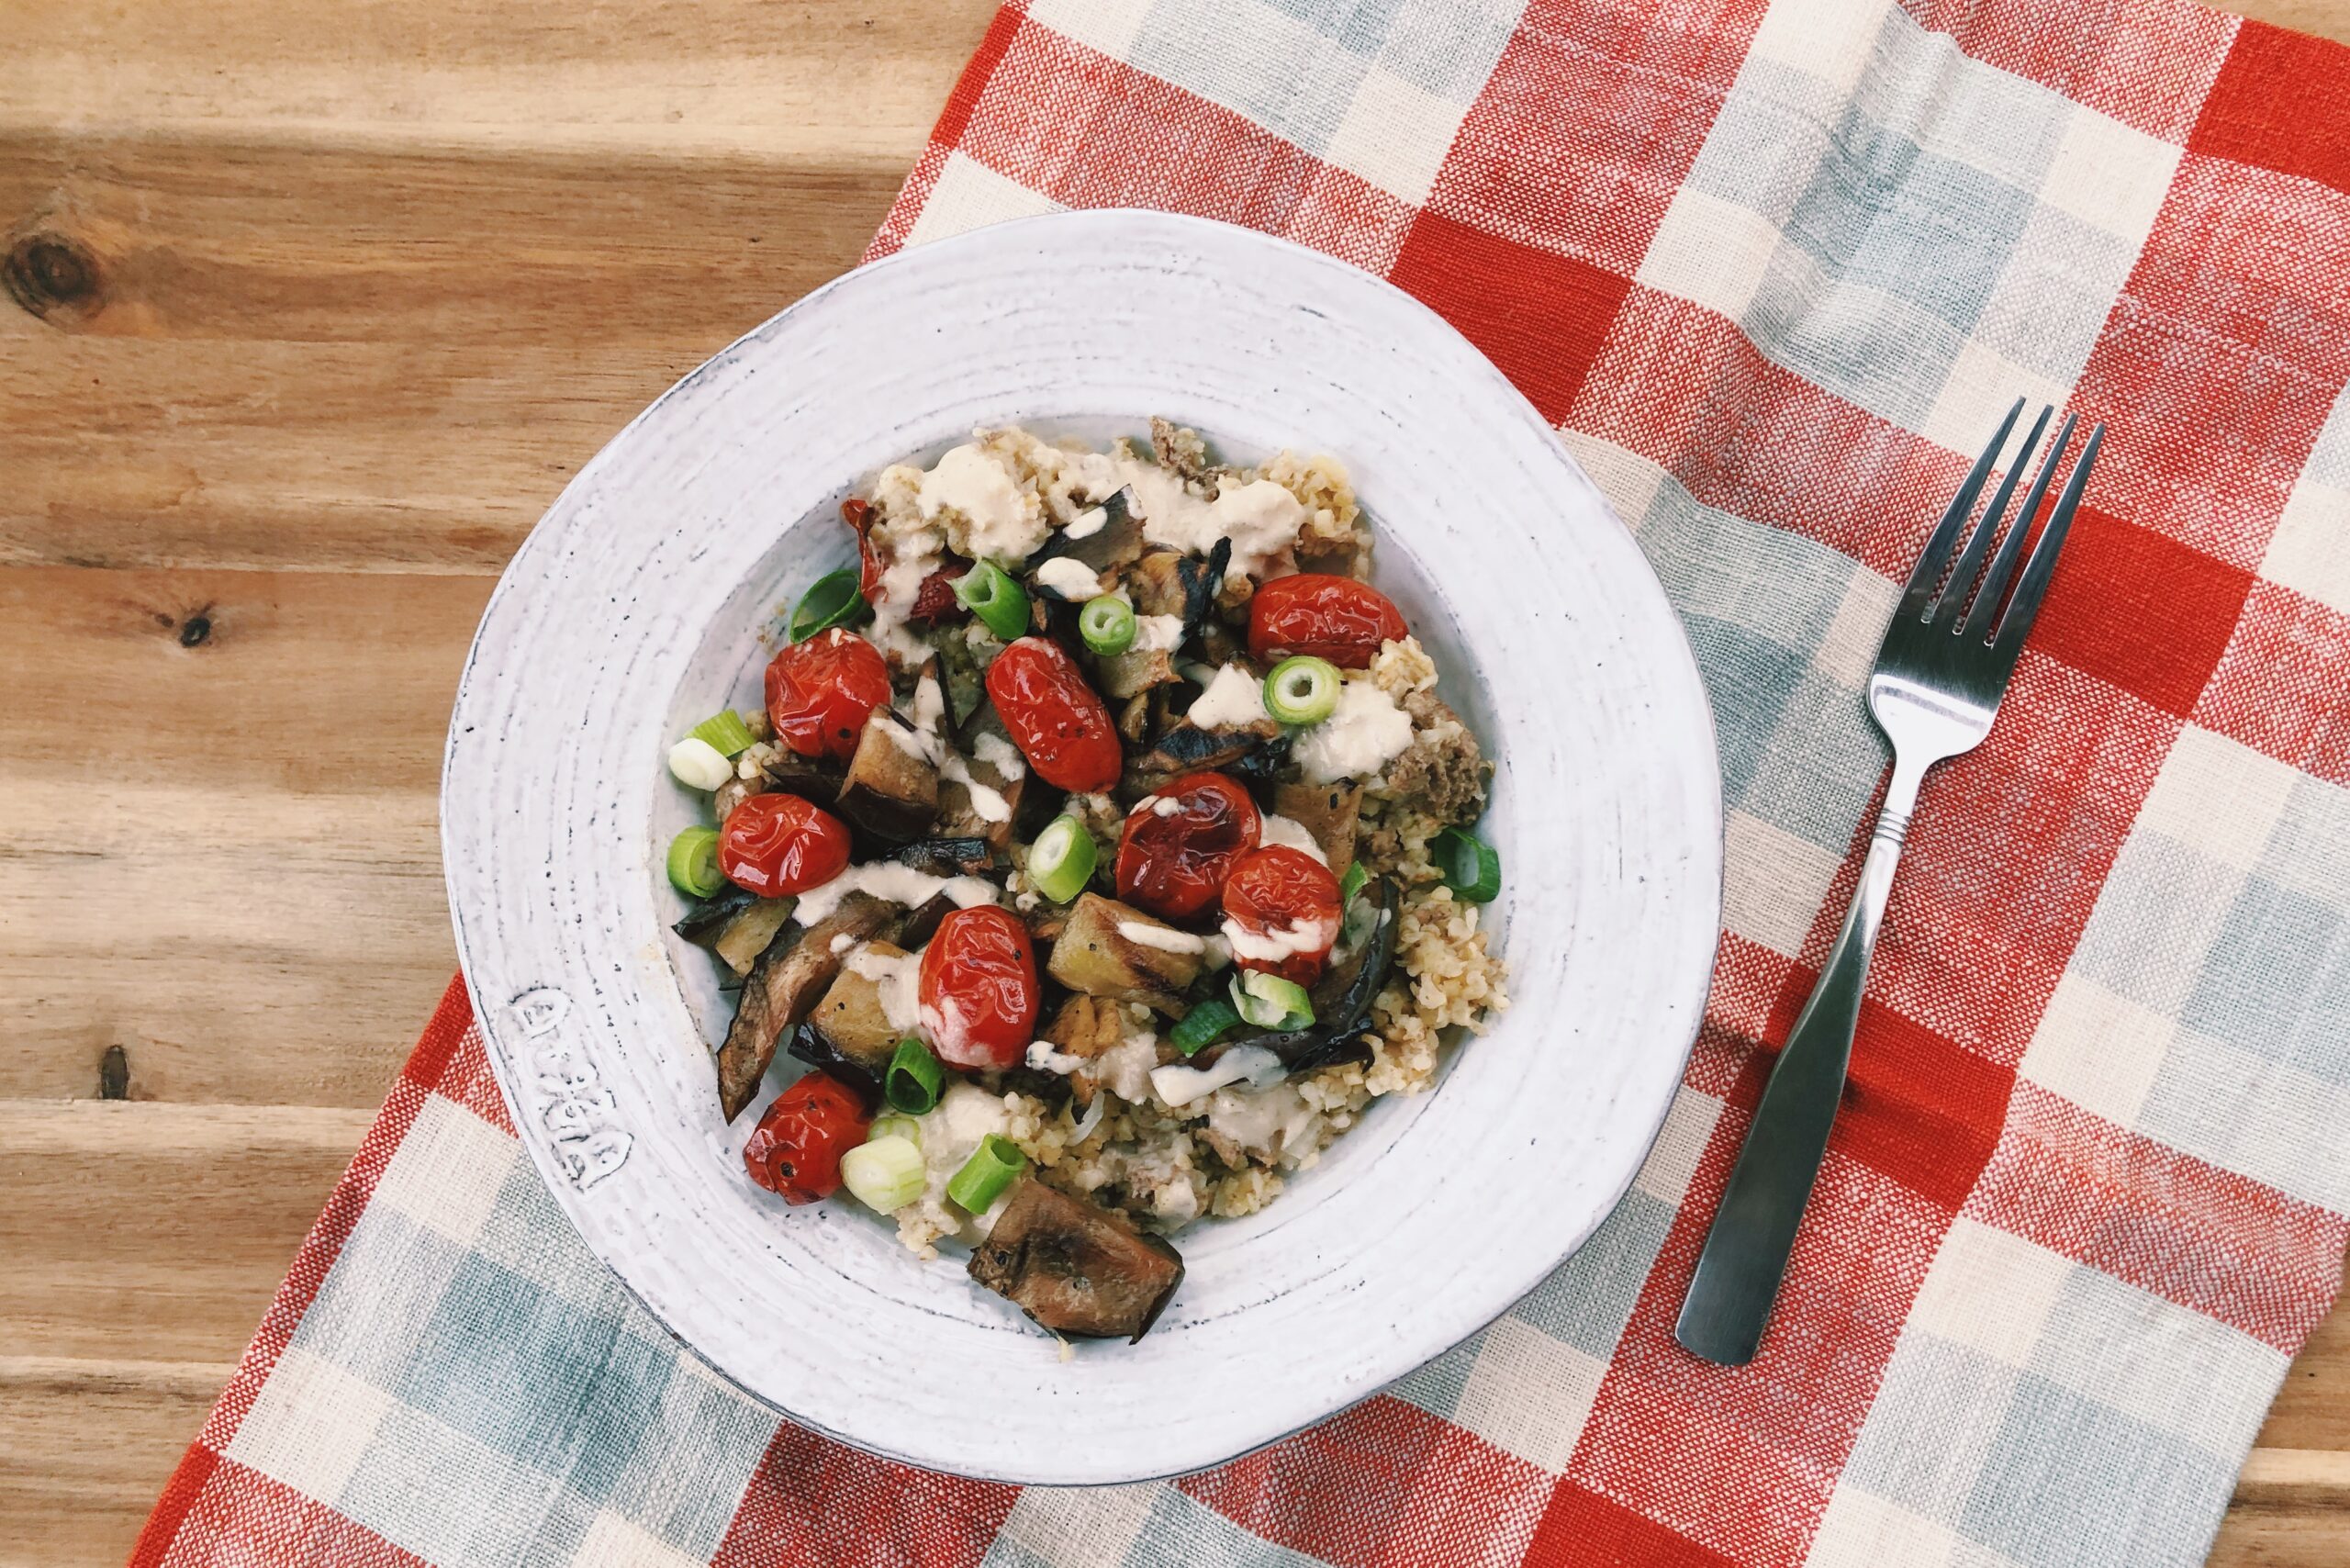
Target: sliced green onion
[987,1173]
[1269,1002]
[693,863]
[725,734]
[988,591]
[1301,690]
[831,601]
[1471,868]
[1201,1024]
[885,1174]
[893,1125]
[1107,625]
[1061,860]
[1351,883]
[697,765]
[914,1079]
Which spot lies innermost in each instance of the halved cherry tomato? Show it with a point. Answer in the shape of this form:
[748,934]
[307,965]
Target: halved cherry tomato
[1280,913]
[1329,617]
[1056,720]
[775,845]
[858,515]
[1180,843]
[977,988]
[795,1148]
[934,601]
[822,691]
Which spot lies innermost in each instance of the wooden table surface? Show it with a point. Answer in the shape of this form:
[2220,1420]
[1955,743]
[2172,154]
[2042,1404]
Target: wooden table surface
[313,311]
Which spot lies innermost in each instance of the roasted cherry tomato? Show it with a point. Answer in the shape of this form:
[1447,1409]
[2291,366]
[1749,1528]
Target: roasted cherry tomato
[822,691]
[858,515]
[775,845]
[1331,617]
[1180,843]
[1057,721]
[795,1148]
[1280,913]
[934,601]
[978,989]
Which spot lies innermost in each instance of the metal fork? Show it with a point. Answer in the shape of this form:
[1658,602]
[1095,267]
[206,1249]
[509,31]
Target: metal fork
[1939,677]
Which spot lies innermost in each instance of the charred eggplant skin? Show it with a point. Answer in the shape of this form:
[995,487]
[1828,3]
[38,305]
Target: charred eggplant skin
[1075,1267]
[809,1045]
[1341,1002]
[703,922]
[946,856]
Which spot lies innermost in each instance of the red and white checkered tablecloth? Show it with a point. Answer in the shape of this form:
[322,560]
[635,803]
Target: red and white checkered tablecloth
[1773,267]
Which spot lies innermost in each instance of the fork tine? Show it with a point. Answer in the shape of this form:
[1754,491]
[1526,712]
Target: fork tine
[1955,596]
[1919,589]
[1995,581]
[2009,640]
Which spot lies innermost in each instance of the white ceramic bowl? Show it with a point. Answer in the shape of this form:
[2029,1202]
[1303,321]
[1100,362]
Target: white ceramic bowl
[638,605]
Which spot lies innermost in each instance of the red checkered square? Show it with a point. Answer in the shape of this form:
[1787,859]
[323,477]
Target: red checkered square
[1684,387]
[2145,62]
[2138,610]
[1590,121]
[1783,1425]
[2277,103]
[1539,318]
[2222,356]
[469,1082]
[1919,1109]
[2009,848]
[1417,1490]
[238,1516]
[813,1500]
[1088,131]
[2283,685]
[2222,1244]
[1582,1530]
[1748,981]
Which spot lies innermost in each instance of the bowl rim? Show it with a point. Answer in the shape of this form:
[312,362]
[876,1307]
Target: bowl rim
[1708,840]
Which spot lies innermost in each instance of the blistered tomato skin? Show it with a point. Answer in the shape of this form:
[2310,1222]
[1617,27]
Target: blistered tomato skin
[795,1148]
[775,845]
[978,989]
[858,515]
[1282,903]
[1173,858]
[821,693]
[1328,617]
[1057,721]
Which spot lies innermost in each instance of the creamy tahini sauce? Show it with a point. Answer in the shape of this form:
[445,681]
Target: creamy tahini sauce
[898,884]
[1232,698]
[1365,733]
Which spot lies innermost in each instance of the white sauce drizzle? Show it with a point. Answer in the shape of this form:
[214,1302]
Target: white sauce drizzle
[1232,698]
[1364,735]
[1262,518]
[1179,1085]
[896,980]
[1000,521]
[898,884]
[989,805]
[1164,938]
[1279,829]
[1157,633]
[1069,577]
[1282,942]
[1000,755]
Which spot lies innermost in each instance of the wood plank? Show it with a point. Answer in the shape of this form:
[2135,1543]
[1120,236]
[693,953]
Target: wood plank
[299,357]
[218,847]
[812,80]
[84,1451]
[2312,1410]
[147,1232]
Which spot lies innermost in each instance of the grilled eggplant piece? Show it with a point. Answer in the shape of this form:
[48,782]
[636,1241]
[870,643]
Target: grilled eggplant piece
[1108,548]
[751,933]
[1331,813]
[969,856]
[923,924]
[1186,748]
[812,1045]
[783,988]
[963,670]
[703,923]
[959,810]
[1134,672]
[851,1018]
[1075,1267]
[1342,997]
[1092,954]
[796,775]
[1169,582]
[1086,1026]
[890,792]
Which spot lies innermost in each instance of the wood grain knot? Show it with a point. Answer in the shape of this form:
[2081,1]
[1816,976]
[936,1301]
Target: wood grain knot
[114,1074]
[195,630]
[54,276]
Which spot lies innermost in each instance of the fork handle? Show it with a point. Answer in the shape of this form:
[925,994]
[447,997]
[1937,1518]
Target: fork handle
[1728,1303]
